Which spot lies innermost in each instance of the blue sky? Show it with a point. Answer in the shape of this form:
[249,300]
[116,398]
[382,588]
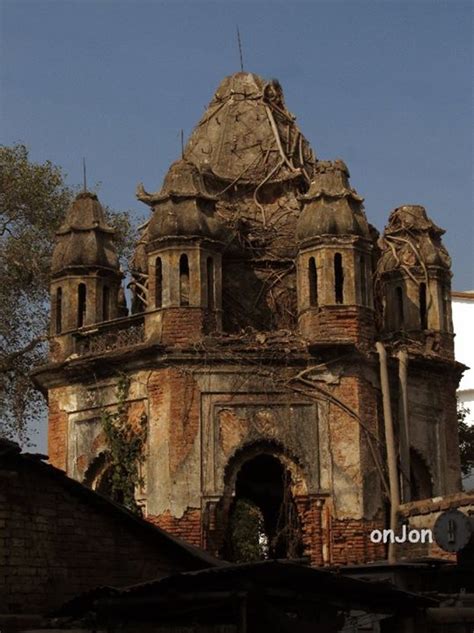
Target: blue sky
[385,85]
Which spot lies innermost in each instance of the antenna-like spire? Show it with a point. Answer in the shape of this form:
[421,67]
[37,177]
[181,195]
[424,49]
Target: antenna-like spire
[182,143]
[240,50]
[84,173]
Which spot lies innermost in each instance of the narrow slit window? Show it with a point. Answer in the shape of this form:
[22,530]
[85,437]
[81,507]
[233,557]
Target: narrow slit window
[105,303]
[313,282]
[423,307]
[158,283]
[446,316]
[363,281]
[400,308]
[183,281]
[338,278]
[210,284]
[81,304]
[59,311]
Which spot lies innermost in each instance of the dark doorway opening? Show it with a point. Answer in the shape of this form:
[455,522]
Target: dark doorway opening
[263,520]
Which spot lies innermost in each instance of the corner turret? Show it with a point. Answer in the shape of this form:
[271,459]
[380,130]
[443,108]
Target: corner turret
[85,273]
[335,301]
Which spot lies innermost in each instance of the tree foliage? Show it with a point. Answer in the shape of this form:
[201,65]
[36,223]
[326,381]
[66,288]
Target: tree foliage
[466,441]
[247,533]
[33,201]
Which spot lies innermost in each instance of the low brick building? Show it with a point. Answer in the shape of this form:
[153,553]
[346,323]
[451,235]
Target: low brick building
[260,291]
[59,538]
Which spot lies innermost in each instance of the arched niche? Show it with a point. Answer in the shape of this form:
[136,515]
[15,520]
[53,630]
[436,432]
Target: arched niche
[99,477]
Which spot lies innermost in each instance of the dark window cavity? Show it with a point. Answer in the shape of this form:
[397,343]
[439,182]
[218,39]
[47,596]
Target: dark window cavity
[59,311]
[158,283]
[81,304]
[423,307]
[313,282]
[338,278]
[183,281]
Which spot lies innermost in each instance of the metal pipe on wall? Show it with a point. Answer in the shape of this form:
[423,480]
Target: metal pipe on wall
[404,428]
[391,452]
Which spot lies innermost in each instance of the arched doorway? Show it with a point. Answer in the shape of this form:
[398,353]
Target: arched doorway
[263,521]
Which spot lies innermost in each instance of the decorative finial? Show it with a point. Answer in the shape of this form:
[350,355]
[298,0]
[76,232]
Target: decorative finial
[240,51]
[182,143]
[84,173]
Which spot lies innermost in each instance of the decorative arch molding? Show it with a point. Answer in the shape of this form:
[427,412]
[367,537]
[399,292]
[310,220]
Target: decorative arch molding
[273,448]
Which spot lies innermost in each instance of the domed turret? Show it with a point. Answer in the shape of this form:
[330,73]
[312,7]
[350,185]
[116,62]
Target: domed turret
[334,259]
[331,206]
[414,271]
[84,239]
[182,245]
[86,276]
[182,208]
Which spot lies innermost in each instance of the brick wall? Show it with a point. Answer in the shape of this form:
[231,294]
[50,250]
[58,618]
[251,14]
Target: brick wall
[57,430]
[310,515]
[185,325]
[350,542]
[187,527]
[338,323]
[59,539]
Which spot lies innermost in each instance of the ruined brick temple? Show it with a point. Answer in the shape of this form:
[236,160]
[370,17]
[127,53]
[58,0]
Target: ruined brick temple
[263,306]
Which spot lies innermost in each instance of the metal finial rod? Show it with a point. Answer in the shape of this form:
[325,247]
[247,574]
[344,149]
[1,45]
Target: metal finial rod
[182,143]
[240,50]
[84,173]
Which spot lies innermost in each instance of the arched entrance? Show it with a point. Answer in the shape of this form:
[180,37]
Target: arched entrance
[262,520]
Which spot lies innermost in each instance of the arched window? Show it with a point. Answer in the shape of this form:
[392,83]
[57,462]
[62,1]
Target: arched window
[423,307]
[59,311]
[338,278]
[210,284]
[399,307]
[158,283]
[313,282]
[183,281]
[446,307]
[81,304]
[105,303]
[363,281]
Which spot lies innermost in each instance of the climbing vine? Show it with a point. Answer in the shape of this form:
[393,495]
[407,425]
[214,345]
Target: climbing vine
[126,442]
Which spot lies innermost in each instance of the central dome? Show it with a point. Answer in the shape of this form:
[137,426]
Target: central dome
[248,135]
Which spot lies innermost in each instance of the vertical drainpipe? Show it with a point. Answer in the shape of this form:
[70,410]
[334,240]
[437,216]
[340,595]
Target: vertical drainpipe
[391,452]
[404,429]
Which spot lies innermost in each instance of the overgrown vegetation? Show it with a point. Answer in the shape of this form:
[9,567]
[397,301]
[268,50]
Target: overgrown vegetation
[466,440]
[126,442]
[247,535]
[33,200]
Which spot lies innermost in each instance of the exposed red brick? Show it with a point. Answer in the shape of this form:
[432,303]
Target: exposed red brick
[187,527]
